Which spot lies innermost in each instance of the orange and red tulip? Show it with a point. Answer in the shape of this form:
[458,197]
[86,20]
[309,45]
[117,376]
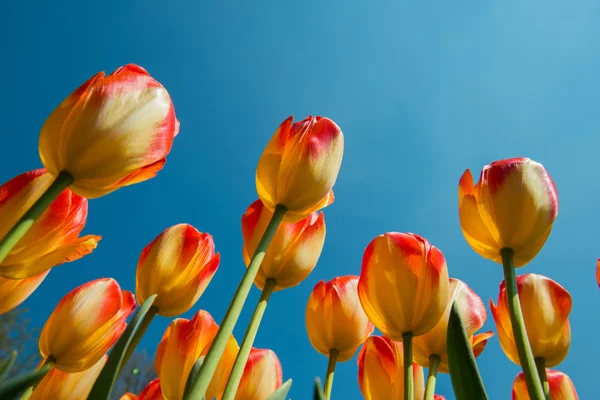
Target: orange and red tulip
[561,387]
[177,266]
[381,370]
[152,391]
[13,292]
[59,385]
[300,165]
[513,205]
[111,132]
[262,376]
[438,397]
[85,324]
[53,238]
[473,314]
[335,319]
[293,252]
[546,306]
[403,284]
[182,344]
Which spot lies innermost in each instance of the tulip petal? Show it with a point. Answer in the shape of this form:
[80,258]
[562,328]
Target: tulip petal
[13,292]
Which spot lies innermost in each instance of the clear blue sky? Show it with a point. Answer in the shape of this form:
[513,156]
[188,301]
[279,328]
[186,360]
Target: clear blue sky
[421,90]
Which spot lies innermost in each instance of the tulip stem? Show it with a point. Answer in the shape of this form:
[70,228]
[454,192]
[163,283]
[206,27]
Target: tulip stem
[333,355]
[534,386]
[242,357]
[62,181]
[11,388]
[409,390]
[434,362]
[141,330]
[540,363]
[235,308]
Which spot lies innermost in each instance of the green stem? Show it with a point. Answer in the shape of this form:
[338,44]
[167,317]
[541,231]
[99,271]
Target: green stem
[11,388]
[434,362]
[62,181]
[242,357]
[540,364]
[141,330]
[235,308]
[409,390]
[534,386]
[333,355]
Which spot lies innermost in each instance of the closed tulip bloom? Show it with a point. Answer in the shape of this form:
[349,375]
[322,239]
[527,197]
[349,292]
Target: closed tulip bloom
[293,252]
[53,238]
[111,132]
[59,385]
[262,376]
[403,284]
[473,315]
[513,206]
[13,292]
[381,369]
[546,307]
[561,387]
[177,266]
[182,344]
[335,319]
[300,165]
[85,324]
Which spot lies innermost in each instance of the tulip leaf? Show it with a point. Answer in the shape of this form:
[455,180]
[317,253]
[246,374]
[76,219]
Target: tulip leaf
[319,393]
[11,388]
[193,375]
[282,392]
[103,386]
[466,380]
[7,365]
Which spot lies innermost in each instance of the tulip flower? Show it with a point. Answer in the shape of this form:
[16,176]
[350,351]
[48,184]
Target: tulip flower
[85,324]
[598,272]
[111,132]
[59,385]
[176,266]
[438,397]
[294,250]
[151,392]
[335,322]
[13,292]
[381,368]
[560,387]
[53,238]
[300,165]
[262,376]
[182,344]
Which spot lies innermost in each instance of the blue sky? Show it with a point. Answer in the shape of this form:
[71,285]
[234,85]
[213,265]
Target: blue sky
[422,91]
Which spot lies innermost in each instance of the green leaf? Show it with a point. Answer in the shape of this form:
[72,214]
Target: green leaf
[11,388]
[282,392]
[7,365]
[319,394]
[466,380]
[193,375]
[103,386]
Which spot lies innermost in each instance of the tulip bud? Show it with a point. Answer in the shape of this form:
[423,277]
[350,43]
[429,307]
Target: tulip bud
[300,165]
[546,307]
[262,376]
[513,206]
[182,344]
[13,292]
[473,315]
[111,132]
[177,266]
[561,387]
[53,238]
[334,318]
[85,324]
[58,385]
[293,252]
[403,284]
[381,370]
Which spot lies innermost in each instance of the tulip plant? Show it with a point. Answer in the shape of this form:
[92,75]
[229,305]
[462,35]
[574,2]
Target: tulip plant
[116,130]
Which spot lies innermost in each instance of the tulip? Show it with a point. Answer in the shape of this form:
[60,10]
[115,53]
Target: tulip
[438,397]
[598,272]
[53,238]
[151,392]
[13,292]
[380,370]
[546,308]
[182,344]
[300,165]
[59,385]
[262,376]
[294,250]
[176,266]
[111,132]
[85,324]
[560,386]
